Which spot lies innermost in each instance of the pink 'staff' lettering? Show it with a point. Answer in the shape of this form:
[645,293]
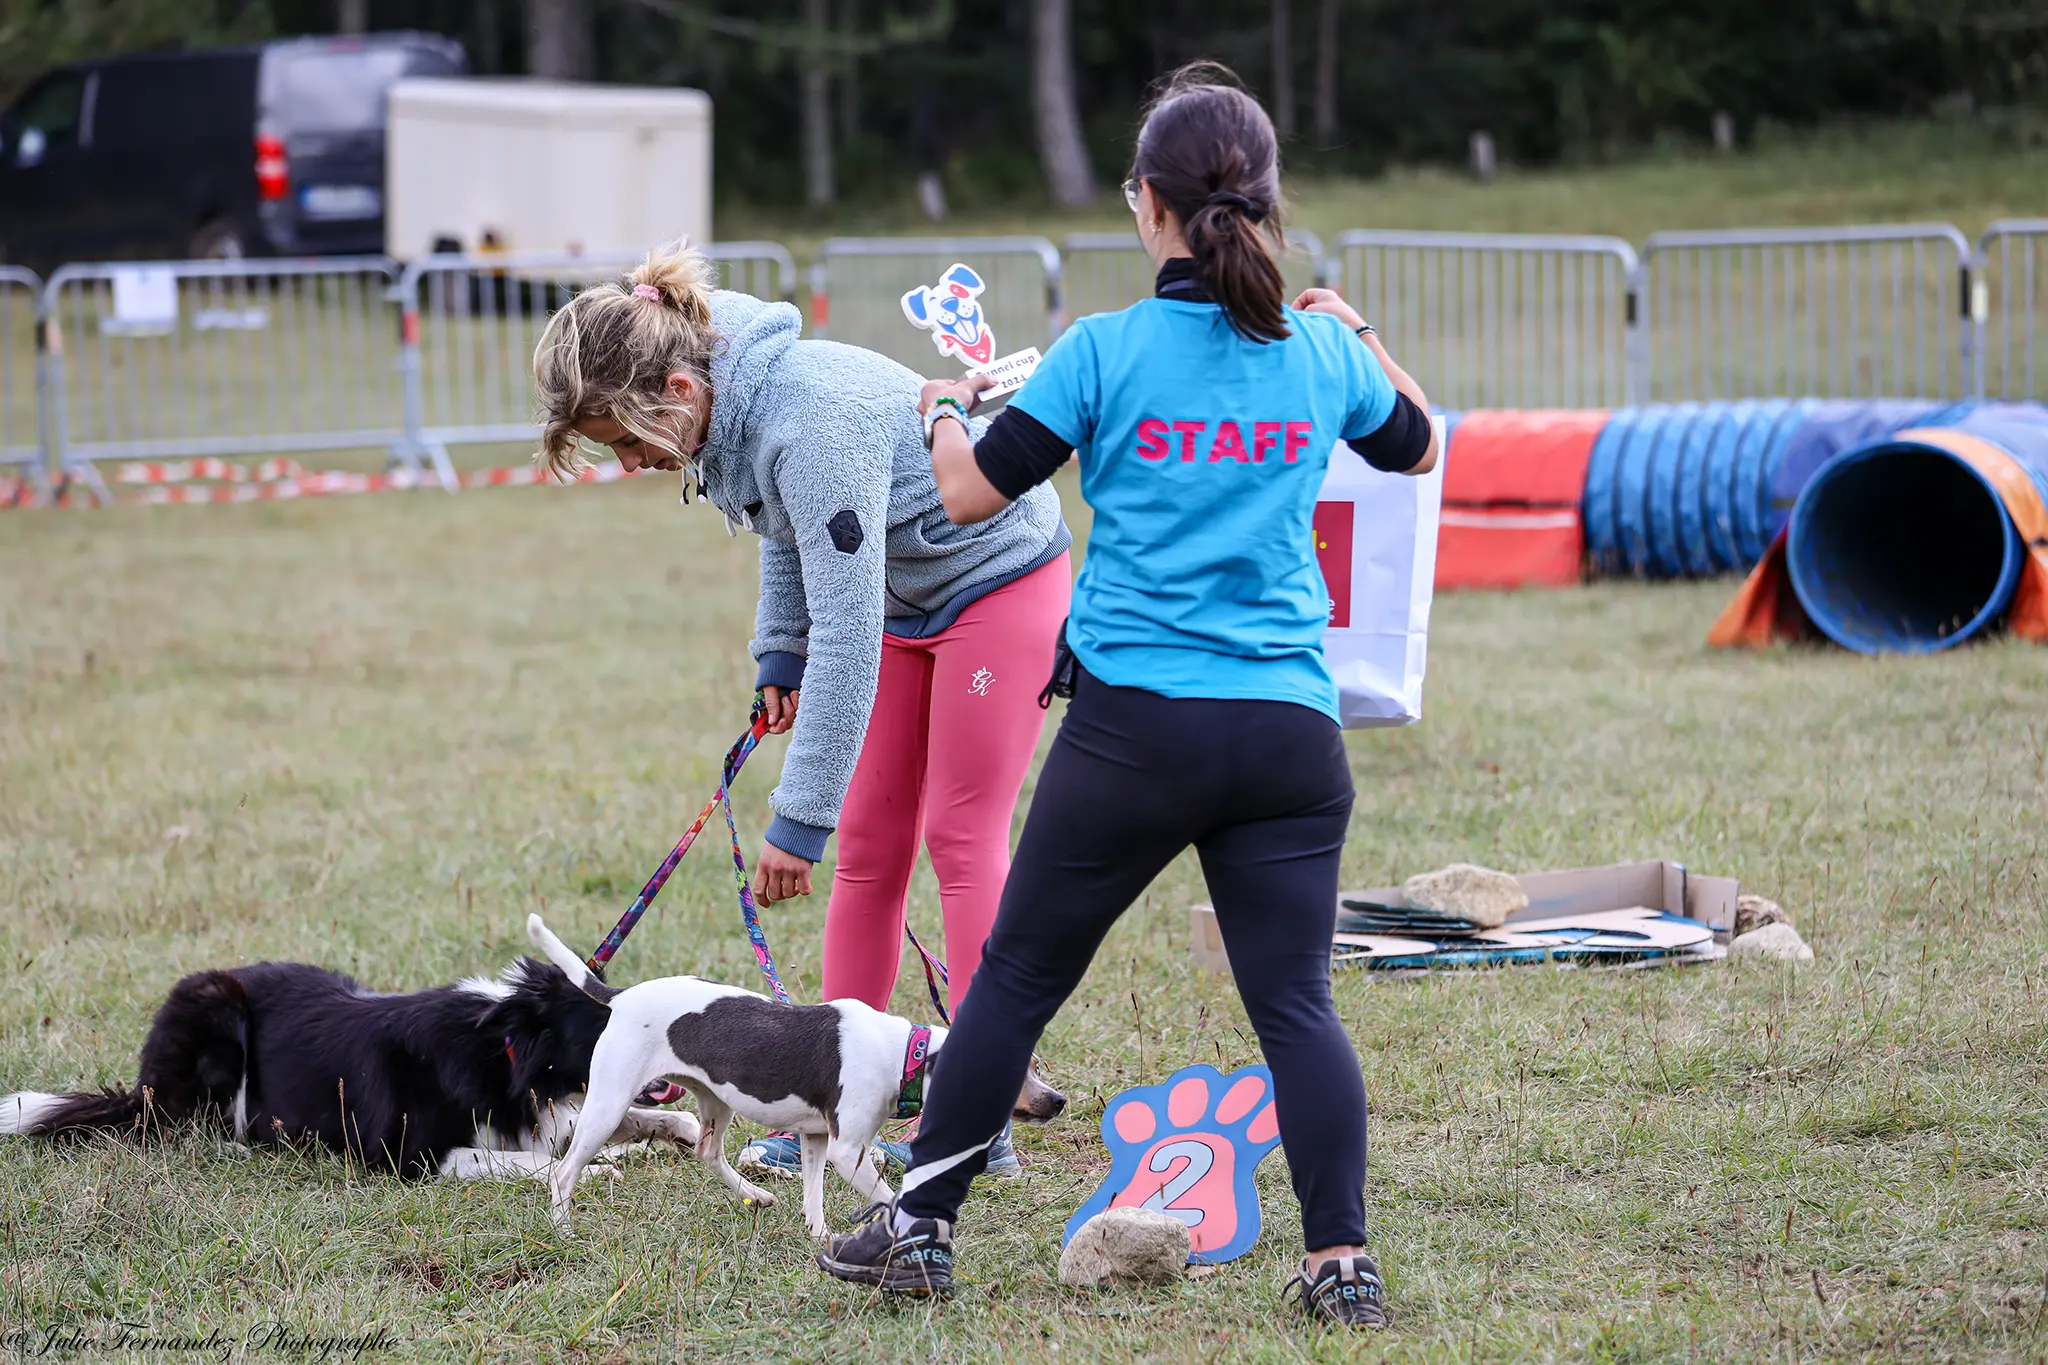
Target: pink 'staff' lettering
[1156,439]
[1228,445]
[1298,434]
[1152,439]
[1265,435]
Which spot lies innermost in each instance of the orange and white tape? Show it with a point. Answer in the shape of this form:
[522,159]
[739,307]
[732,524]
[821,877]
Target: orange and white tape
[191,482]
[208,469]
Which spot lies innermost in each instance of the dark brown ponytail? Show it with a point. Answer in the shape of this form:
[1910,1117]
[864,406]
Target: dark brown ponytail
[1208,151]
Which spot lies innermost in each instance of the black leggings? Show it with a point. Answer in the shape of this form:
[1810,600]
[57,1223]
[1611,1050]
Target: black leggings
[1263,792]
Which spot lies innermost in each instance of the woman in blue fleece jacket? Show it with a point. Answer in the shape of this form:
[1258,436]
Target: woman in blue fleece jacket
[919,646]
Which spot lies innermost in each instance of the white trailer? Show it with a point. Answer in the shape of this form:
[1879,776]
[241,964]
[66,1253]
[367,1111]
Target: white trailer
[529,165]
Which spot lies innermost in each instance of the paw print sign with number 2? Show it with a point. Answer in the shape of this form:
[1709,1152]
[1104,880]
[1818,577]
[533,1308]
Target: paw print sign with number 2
[1187,1148]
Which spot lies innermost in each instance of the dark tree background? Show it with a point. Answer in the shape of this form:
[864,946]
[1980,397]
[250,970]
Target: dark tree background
[820,100]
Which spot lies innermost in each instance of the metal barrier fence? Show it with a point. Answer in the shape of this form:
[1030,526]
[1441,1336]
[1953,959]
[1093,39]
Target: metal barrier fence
[1851,312]
[764,269]
[2011,308]
[471,323]
[174,359]
[862,305]
[1105,271]
[21,405]
[180,358]
[1499,320]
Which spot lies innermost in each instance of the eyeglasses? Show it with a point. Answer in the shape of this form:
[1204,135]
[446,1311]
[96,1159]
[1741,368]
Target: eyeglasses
[1131,190]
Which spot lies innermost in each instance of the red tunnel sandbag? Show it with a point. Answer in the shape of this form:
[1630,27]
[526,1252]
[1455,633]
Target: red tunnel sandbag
[1512,485]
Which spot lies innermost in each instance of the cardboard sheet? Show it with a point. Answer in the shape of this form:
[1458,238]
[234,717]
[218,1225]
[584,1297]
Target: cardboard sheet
[1624,903]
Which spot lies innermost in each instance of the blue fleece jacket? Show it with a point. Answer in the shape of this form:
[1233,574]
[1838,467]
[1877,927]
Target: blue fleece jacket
[818,448]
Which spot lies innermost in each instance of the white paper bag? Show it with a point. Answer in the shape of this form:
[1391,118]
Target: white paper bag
[1376,541]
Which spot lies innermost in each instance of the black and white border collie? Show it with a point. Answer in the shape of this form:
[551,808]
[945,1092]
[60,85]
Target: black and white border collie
[483,1078]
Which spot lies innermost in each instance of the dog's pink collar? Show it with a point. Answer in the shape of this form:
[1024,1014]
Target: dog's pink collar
[910,1094]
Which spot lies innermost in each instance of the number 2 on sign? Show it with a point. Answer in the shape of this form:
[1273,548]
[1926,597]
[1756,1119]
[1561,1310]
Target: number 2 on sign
[1200,1157]
[1186,1148]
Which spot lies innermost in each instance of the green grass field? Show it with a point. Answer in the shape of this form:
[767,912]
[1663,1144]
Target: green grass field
[376,732]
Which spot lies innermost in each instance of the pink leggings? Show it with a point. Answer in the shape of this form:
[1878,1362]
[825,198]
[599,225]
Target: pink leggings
[955,725]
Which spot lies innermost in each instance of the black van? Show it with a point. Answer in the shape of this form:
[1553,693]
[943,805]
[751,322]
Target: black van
[256,151]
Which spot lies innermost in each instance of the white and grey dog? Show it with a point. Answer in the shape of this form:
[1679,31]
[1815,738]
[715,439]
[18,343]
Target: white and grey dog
[832,1074]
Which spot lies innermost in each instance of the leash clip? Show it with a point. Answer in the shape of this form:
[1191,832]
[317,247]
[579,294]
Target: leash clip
[1066,671]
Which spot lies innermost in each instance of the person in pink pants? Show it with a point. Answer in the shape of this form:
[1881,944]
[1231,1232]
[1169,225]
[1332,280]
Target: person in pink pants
[955,725]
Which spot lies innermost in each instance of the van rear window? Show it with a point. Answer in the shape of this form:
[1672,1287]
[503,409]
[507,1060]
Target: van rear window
[332,92]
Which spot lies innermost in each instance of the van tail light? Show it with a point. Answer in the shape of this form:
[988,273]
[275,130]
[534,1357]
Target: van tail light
[273,171]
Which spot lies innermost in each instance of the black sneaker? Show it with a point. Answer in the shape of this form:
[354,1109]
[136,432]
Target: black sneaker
[917,1261]
[1345,1292]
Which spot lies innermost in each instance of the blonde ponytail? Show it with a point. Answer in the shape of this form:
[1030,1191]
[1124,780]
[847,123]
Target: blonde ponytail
[610,350]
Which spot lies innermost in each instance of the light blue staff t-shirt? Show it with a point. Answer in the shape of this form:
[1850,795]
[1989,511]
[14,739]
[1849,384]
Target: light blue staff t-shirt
[1202,454]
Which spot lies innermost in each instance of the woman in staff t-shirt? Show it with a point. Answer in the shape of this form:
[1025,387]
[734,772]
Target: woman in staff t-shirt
[1202,711]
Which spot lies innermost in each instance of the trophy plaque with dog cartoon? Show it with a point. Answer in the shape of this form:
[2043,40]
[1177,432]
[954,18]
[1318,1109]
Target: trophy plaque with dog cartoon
[951,311]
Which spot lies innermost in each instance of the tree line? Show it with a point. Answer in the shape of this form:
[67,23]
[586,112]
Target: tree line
[820,101]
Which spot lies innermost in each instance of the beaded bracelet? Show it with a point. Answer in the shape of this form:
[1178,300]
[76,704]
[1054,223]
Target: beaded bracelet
[945,406]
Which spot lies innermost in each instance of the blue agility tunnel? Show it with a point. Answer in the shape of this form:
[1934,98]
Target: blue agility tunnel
[1831,426]
[1686,489]
[1906,544]
[1676,490]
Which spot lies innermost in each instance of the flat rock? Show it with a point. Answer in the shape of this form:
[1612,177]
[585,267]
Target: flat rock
[1780,941]
[1126,1246]
[1478,894]
[1754,912]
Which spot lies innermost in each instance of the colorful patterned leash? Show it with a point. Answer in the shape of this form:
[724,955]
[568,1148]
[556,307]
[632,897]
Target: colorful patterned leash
[931,982]
[735,758]
[748,913]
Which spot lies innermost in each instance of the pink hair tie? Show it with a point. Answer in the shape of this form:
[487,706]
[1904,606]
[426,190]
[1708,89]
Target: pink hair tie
[646,291]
